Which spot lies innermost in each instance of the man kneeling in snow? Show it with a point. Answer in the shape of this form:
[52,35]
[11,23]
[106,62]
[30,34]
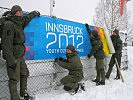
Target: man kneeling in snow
[75,68]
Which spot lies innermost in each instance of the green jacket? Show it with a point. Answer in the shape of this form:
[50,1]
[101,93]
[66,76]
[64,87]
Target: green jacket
[73,64]
[117,42]
[97,48]
[13,37]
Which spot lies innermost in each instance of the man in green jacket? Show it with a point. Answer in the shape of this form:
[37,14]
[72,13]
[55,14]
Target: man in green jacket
[75,68]
[13,40]
[97,51]
[117,42]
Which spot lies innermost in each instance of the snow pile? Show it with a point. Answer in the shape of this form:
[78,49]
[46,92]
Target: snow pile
[113,90]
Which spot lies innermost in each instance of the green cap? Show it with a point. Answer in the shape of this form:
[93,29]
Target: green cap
[15,8]
[70,47]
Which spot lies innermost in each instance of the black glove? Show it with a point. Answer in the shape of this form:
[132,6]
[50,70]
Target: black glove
[37,13]
[60,58]
[56,59]
[87,27]
[89,56]
[13,66]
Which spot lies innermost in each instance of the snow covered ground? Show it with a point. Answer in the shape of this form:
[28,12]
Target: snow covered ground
[113,90]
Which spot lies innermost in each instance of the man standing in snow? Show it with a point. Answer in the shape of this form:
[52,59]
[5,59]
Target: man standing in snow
[13,40]
[117,42]
[75,68]
[97,51]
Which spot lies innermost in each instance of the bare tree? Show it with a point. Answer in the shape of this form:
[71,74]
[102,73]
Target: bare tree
[107,14]
[129,33]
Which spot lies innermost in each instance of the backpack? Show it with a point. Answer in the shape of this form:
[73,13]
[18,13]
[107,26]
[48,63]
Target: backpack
[2,21]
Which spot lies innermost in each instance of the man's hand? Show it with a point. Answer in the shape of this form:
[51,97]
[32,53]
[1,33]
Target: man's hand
[86,25]
[89,56]
[37,13]
[88,29]
[60,58]
[56,59]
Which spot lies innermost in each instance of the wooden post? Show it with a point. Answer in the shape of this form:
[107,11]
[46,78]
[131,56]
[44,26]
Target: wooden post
[118,67]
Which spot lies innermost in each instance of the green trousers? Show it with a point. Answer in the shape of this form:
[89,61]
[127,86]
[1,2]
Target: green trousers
[111,64]
[71,81]
[100,70]
[19,74]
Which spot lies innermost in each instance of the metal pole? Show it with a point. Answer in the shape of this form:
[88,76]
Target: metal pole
[118,67]
[52,4]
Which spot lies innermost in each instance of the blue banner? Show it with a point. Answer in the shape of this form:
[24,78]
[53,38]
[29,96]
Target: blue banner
[47,38]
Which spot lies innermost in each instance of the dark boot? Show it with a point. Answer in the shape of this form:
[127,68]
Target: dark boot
[100,83]
[66,88]
[117,78]
[74,91]
[107,76]
[95,80]
[26,97]
[82,86]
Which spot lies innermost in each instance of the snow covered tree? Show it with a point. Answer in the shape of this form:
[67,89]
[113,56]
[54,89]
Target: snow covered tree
[129,33]
[108,14]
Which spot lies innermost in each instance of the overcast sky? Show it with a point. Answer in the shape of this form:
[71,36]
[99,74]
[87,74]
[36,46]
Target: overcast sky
[130,10]
[75,10]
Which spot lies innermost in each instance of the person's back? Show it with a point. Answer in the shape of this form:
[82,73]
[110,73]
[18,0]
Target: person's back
[97,51]
[97,48]
[117,43]
[3,18]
